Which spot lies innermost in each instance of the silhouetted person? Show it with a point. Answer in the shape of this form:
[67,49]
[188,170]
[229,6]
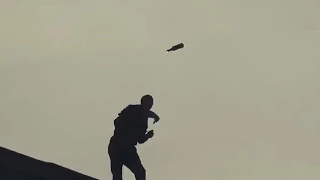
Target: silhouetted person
[130,129]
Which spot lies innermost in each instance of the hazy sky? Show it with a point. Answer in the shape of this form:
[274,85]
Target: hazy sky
[241,101]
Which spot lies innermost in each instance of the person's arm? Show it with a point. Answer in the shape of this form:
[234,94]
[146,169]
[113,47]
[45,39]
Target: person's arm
[143,138]
[154,116]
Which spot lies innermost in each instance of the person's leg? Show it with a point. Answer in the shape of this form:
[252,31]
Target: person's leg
[116,170]
[133,163]
[115,163]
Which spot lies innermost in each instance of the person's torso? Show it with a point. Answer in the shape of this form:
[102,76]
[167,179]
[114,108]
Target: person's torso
[131,123]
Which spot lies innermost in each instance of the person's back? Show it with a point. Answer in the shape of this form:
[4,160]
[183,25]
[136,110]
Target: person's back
[130,124]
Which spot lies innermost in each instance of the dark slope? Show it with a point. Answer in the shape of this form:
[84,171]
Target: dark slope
[16,166]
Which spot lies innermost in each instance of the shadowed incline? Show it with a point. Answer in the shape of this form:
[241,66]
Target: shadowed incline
[16,166]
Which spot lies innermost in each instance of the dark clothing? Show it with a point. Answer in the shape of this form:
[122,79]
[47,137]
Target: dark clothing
[129,157]
[130,129]
[131,125]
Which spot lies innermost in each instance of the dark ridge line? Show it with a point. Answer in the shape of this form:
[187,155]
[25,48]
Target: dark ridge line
[31,167]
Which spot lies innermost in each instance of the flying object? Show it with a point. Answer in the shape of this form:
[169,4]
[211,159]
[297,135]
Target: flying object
[176,47]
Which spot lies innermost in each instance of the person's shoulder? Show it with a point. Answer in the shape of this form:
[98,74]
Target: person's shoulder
[131,108]
[135,105]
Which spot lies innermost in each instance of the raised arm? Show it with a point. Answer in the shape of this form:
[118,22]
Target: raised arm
[154,116]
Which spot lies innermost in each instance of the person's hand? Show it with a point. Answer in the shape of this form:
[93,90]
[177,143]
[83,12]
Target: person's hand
[150,134]
[155,121]
[154,116]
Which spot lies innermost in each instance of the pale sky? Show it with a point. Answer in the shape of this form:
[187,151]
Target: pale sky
[241,101]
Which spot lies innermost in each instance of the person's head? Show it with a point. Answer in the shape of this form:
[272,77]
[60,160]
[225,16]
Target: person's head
[147,101]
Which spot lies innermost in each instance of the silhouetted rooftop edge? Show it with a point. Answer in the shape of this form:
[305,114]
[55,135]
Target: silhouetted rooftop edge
[32,168]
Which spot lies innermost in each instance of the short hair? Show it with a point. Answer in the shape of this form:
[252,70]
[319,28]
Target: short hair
[147,100]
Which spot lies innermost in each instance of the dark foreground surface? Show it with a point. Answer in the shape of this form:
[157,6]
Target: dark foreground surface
[15,166]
